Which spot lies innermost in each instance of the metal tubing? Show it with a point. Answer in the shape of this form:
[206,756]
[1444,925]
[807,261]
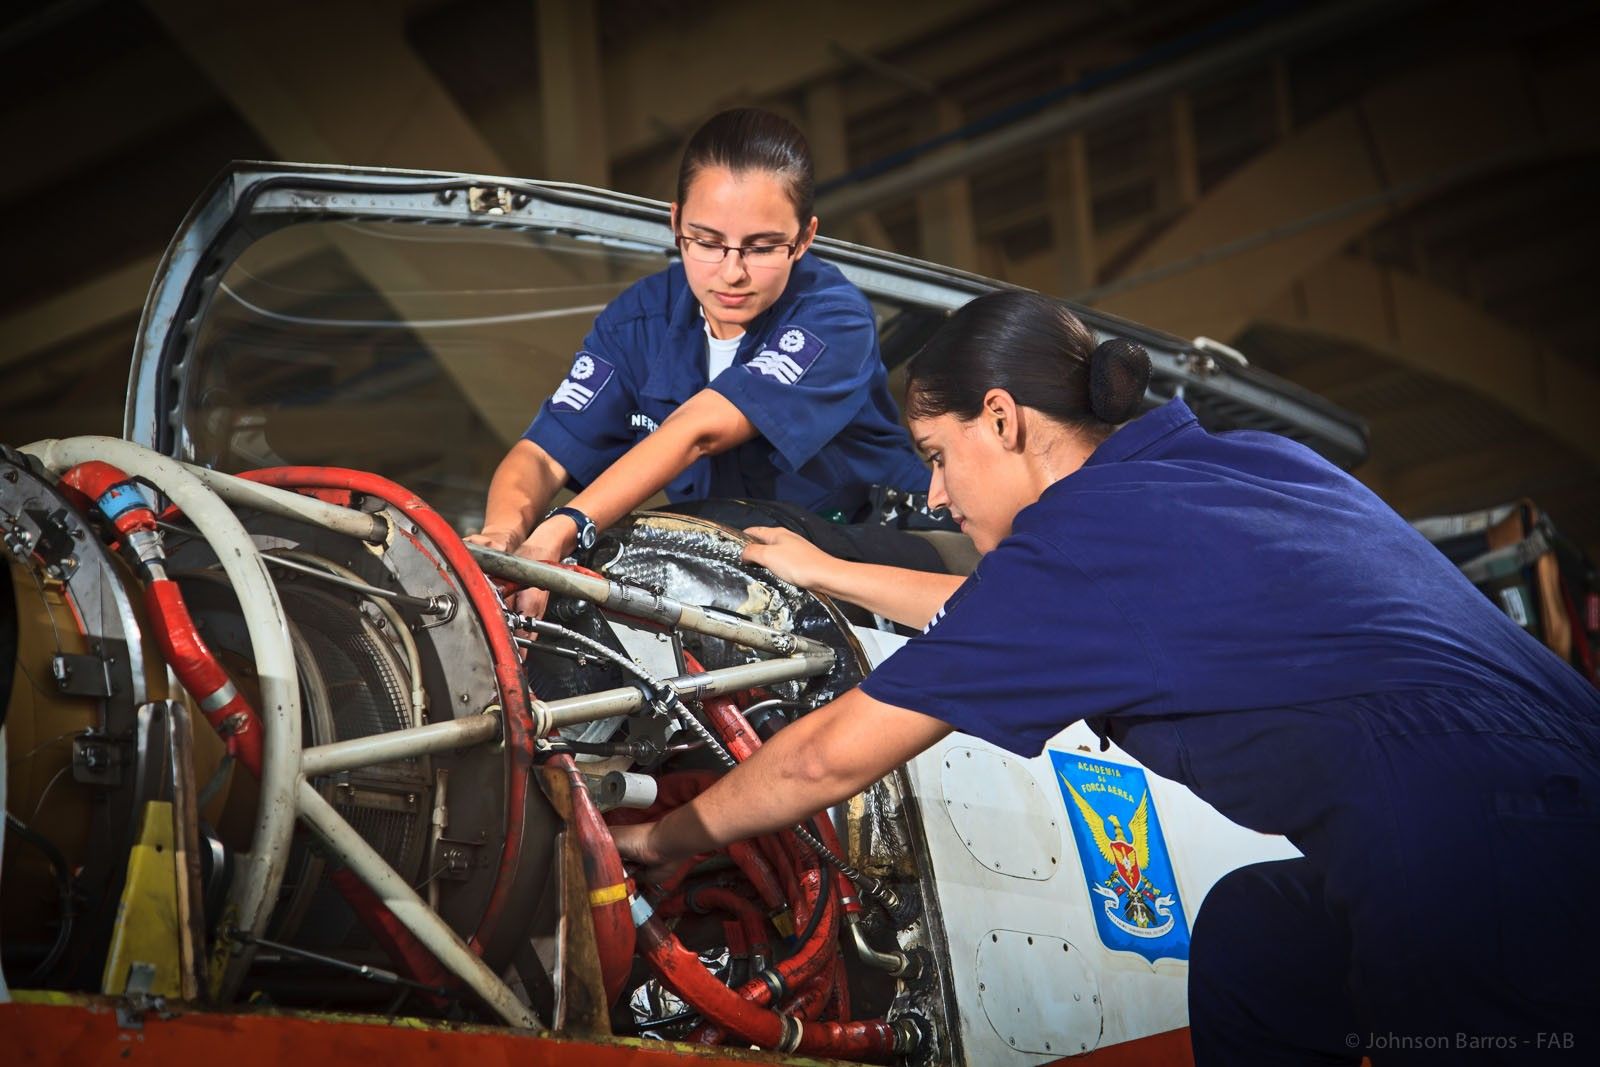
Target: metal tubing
[409,908]
[255,887]
[895,963]
[399,744]
[438,604]
[549,715]
[631,600]
[292,505]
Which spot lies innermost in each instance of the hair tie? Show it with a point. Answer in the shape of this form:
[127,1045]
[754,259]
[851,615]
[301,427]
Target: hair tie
[1119,373]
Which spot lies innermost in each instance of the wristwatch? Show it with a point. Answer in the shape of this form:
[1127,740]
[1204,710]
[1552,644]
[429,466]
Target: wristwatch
[587,531]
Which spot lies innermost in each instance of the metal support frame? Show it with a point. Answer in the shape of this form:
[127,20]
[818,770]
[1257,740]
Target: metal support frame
[591,707]
[423,922]
[629,600]
[361,752]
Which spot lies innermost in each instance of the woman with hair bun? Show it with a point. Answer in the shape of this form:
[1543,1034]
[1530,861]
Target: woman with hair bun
[1244,618]
[747,369]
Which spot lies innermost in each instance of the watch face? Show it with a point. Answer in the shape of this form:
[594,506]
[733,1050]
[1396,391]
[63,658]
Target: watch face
[586,535]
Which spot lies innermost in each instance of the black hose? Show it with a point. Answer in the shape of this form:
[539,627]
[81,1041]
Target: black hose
[58,864]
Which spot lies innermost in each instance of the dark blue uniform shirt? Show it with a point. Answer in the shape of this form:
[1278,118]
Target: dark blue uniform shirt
[807,374]
[1245,618]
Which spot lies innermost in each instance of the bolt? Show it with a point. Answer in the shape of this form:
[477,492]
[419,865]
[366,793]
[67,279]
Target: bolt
[465,699]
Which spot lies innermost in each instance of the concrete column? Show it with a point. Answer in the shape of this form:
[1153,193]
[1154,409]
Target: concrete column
[1186,166]
[944,212]
[1071,213]
[825,130]
[570,101]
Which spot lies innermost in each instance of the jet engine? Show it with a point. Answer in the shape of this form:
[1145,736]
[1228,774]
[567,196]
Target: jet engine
[275,740]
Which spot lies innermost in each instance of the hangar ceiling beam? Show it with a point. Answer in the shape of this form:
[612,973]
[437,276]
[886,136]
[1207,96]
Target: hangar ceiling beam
[1303,201]
[1430,329]
[329,83]
[355,92]
[716,55]
[39,327]
[1134,93]
[93,117]
[571,100]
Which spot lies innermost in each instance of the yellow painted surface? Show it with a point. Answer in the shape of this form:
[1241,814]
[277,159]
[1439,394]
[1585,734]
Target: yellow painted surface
[147,918]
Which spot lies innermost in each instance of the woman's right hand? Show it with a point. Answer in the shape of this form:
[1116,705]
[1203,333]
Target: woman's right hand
[500,540]
[787,555]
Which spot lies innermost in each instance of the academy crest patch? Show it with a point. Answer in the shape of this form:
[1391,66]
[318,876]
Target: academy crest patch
[1124,857]
[787,355]
[589,375]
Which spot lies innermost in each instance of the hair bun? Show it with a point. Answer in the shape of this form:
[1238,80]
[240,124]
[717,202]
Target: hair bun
[1119,373]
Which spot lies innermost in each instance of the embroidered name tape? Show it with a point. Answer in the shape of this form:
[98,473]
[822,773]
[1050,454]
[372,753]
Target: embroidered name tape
[589,375]
[787,355]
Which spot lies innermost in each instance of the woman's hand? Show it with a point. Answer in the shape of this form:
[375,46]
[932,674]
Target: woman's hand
[550,542]
[635,844]
[500,540]
[788,555]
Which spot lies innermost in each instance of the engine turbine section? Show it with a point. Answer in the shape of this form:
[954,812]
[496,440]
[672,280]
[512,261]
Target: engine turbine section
[275,738]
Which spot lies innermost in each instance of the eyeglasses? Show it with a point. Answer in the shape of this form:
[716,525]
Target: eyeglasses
[755,257]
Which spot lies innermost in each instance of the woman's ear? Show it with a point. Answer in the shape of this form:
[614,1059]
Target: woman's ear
[672,216]
[807,235]
[1001,417]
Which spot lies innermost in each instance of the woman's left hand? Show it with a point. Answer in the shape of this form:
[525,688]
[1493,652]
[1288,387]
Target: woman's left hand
[787,555]
[550,542]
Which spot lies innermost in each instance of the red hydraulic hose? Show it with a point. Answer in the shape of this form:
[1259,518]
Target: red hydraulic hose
[682,971]
[400,943]
[751,921]
[225,708]
[608,888]
[507,668]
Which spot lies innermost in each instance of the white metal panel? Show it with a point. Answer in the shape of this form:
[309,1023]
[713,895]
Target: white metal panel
[1038,992]
[1137,998]
[1000,814]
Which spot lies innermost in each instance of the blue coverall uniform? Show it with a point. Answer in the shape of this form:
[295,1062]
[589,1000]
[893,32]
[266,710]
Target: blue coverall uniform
[1244,618]
[807,374]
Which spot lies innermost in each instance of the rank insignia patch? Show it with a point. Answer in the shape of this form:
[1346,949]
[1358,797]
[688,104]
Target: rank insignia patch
[787,355]
[1124,857]
[589,375]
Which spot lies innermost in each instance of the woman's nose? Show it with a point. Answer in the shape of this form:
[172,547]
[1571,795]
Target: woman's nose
[937,497]
[732,270]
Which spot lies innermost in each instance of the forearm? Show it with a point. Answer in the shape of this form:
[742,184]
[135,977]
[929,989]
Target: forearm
[520,491]
[704,425]
[823,758]
[909,597]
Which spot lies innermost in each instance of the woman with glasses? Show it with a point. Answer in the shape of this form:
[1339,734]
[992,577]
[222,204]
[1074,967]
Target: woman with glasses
[748,369]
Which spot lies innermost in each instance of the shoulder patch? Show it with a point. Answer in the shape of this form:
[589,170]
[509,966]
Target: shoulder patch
[787,354]
[589,375]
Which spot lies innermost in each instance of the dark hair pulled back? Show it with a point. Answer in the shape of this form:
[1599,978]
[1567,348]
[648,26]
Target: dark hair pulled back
[745,139]
[1037,350]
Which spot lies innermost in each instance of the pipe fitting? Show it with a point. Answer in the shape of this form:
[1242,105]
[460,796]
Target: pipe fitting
[793,1031]
[912,1033]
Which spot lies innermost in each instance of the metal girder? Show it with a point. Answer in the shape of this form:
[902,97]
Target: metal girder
[1303,202]
[1435,331]
[1118,99]
[354,91]
[708,60]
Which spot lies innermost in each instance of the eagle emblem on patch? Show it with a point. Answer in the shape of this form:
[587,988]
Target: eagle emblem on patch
[789,357]
[589,375]
[1124,857]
